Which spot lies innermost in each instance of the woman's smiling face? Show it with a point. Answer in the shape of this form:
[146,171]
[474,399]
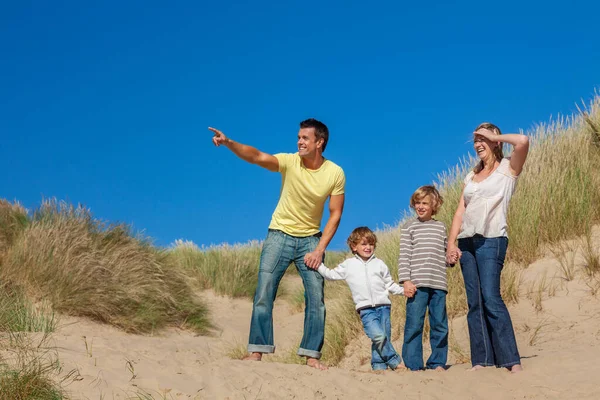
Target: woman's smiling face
[483,146]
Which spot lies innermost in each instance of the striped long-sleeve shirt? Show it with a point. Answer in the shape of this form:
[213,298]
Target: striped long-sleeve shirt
[423,254]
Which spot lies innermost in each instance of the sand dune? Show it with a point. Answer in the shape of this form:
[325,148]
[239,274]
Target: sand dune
[560,346]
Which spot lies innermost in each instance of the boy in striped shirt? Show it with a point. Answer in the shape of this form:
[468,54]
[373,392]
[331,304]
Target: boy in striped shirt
[422,272]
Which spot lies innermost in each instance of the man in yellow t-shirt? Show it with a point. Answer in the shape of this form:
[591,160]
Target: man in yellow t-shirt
[308,180]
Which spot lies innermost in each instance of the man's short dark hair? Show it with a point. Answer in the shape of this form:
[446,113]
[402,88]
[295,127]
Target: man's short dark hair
[321,131]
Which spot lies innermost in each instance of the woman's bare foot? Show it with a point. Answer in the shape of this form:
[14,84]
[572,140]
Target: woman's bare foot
[440,369]
[516,369]
[401,368]
[315,363]
[476,368]
[253,357]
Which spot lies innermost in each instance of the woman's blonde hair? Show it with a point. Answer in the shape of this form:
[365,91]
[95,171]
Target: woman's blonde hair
[360,233]
[434,195]
[497,150]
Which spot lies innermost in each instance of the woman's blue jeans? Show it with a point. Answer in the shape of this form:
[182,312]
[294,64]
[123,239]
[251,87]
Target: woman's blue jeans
[412,349]
[491,333]
[376,322]
[278,252]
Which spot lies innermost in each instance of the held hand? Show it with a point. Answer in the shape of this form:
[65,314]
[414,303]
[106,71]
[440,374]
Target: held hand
[219,137]
[409,289]
[313,259]
[453,254]
[315,268]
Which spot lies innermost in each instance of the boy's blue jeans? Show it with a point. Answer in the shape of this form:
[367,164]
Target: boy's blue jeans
[278,252]
[412,349]
[491,333]
[376,322]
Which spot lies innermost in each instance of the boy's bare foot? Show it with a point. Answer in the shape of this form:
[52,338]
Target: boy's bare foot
[476,368]
[440,369]
[315,363]
[516,369]
[253,357]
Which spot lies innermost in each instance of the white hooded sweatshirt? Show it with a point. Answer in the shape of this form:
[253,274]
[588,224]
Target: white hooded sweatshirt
[370,281]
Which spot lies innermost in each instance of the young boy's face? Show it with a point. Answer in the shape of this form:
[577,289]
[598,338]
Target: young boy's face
[364,249]
[424,208]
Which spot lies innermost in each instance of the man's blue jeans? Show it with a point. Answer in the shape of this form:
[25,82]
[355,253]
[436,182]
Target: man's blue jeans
[412,349]
[491,333]
[278,252]
[376,322]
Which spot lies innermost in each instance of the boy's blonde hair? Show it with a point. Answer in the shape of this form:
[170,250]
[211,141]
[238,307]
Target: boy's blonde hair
[360,233]
[434,196]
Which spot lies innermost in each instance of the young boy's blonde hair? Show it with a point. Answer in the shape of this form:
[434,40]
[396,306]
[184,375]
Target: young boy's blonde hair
[434,196]
[360,233]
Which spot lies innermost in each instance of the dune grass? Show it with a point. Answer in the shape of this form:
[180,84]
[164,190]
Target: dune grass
[230,270]
[19,314]
[29,368]
[83,267]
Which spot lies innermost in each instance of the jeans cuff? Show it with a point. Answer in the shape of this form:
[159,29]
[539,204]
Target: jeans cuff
[261,348]
[434,366]
[379,366]
[510,364]
[309,353]
[394,362]
[483,364]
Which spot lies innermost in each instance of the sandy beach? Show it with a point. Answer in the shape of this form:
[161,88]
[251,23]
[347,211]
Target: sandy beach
[559,346]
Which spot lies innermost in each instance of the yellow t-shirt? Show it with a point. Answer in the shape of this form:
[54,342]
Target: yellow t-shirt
[303,194]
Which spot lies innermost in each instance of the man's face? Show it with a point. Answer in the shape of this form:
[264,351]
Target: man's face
[307,142]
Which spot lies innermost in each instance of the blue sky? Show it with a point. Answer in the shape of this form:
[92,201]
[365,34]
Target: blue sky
[107,103]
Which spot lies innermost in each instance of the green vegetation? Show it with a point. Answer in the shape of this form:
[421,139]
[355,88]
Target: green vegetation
[85,268]
[28,368]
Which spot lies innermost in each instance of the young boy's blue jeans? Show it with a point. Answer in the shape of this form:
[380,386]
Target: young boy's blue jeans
[278,252]
[412,349]
[491,333]
[376,322]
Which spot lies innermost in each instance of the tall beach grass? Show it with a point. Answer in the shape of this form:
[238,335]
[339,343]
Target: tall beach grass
[82,267]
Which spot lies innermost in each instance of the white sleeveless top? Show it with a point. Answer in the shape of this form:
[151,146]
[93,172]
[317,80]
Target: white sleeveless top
[486,203]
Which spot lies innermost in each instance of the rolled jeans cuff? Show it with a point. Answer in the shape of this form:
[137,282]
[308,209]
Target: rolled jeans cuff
[261,348]
[309,353]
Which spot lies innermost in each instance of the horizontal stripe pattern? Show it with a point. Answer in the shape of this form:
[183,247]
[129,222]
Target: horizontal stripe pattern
[423,254]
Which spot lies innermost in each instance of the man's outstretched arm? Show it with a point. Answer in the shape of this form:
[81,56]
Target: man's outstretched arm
[245,152]
[336,206]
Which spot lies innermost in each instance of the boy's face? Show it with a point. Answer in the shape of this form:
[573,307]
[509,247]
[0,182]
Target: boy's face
[424,208]
[364,249]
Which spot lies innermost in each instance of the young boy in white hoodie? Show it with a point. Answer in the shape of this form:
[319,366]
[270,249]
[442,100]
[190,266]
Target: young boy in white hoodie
[370,282]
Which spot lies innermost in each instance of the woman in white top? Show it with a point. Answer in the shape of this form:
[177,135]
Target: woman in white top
[480,226]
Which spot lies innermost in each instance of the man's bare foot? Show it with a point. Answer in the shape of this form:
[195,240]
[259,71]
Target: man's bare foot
[315,363]
[401,368]
[476,368]
[440,369]
[516,369]
[253,357]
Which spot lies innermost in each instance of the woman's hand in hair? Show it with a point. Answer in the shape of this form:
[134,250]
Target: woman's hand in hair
[486,134]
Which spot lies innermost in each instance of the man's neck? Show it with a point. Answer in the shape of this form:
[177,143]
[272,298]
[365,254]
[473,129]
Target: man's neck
[314,162]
